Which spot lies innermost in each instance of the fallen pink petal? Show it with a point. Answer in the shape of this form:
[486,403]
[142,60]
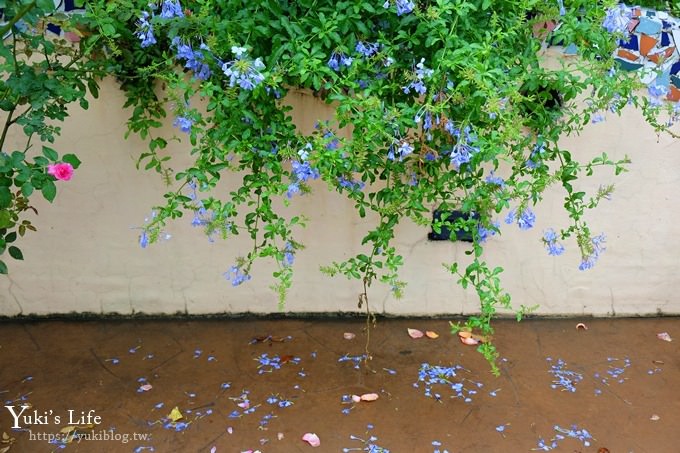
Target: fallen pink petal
[581,326]
[469,341]
[356,398]
[369,397]
[312,439]
[664,336]
[431,334]
[349,336]
[415,333]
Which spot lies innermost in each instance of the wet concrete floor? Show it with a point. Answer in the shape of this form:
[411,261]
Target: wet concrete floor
[249,384]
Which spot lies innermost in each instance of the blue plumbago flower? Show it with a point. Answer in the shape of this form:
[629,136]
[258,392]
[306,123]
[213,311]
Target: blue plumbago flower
[657,93]
[526,219]
[535,156]
[421,73]
[145,32]
[293,188]
[333,141]
[597,118]
[589,261]
[431,375]
[236,276]
[550,241]
[563,11]
[496,180]
[304,171]
[288,254]
[617,19]
[485,233]
[170,9]
[402,151]
[243,71]
[367,49]
[350,184]
[304,152]
[195,59]
[184,123]
[143,240]
[357,359]
[404,7]
[338,60]
[461,154]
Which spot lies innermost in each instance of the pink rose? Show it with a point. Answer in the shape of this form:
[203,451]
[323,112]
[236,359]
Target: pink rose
[62,171]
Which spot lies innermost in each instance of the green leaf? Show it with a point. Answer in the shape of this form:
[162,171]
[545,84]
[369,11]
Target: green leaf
[49,191]
[11,237]
[5,197]
[72,159]
[27,189]
[3,268]
[15,253]
[5,219]
[50,153]
[108,30]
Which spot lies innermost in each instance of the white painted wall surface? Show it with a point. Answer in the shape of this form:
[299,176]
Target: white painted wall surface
[85,256]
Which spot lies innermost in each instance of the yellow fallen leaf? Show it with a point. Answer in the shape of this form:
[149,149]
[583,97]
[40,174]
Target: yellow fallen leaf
[175,414]
[431,334]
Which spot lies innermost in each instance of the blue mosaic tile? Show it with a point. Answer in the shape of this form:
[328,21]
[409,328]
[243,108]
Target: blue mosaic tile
[648,26]
[630,44]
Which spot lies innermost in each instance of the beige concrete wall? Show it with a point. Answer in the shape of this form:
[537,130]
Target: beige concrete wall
[85,256]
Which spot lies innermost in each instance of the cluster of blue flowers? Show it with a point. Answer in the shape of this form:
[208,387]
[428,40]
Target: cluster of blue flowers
[430,375]
[350,184]
[564,378]
[145,30]
[184,123]
[302,171]
[236,276]
[525,220]
[403,6]
[550,241]
[288,254]
[418,85]
[243,71]
[535,156]
[367,49]
[463,150]
[338,60]
[485,233]
[195,59]
[597,248]
[403,150]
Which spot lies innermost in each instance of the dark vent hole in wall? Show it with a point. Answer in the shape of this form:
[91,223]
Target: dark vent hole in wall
[450,217]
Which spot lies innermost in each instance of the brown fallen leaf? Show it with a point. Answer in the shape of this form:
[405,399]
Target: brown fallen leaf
[287,358]
[431,334]
[603,450]
[415,333]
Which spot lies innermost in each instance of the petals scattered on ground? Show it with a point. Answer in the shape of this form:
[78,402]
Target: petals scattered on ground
[431,334]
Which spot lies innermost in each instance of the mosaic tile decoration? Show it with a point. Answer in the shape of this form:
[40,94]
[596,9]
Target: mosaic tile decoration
[652,47]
